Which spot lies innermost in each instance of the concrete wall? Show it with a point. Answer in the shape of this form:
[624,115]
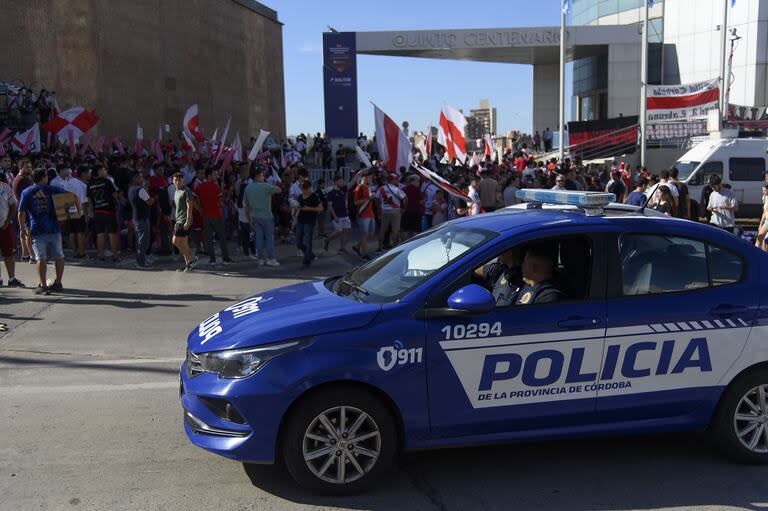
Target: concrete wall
[546,91]
[147,60]
[693,46]
[623,79]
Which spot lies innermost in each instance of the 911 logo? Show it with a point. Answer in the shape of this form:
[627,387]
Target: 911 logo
[390,356]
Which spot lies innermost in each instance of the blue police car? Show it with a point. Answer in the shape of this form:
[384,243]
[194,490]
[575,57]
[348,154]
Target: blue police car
[564,316]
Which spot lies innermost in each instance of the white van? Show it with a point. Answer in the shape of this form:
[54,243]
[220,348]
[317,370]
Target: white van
[741,162]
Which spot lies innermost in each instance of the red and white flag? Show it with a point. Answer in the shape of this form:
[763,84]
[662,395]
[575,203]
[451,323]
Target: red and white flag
[490,146]
[671,103]
[451,133]
[428,142]
[191,126]
[473,162]
[394,146]
[237,145]
[27,141]
[441,183]
[119,145]
[77,119]
[188,144]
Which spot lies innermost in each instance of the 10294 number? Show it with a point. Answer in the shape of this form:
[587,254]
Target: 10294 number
[471,331]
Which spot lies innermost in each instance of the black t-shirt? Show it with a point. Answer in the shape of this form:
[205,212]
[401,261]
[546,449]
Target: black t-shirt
[100,193]
[308,217]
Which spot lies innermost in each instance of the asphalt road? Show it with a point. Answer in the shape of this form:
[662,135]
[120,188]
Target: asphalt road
[90,419]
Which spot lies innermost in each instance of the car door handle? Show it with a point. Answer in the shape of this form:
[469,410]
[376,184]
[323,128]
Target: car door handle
[723,310]
[577,322]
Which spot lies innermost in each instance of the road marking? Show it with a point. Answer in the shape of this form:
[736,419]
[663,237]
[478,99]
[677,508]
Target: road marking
[42,364]
[65,389]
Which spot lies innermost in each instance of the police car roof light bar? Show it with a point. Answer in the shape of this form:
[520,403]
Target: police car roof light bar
[591,202]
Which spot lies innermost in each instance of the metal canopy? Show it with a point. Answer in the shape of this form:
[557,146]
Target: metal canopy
[528,45]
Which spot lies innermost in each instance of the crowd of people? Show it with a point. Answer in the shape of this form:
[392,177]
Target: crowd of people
[192,205]
[21,107]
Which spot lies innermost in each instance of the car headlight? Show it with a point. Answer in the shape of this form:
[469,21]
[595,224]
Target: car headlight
[240,363]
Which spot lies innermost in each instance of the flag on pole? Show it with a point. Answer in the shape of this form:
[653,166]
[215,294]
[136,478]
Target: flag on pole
[257,145]
[473,162]
[428,142]
[393,145]
[362,157]
[451,133]
[227,159]
[441,183]
[490,145]
[27,141]
[191,127]
[188,144]
[567,6]
[237,145]
[76,119]
[222,142]
[215,136]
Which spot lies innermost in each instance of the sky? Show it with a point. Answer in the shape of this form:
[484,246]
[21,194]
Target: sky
[407,89]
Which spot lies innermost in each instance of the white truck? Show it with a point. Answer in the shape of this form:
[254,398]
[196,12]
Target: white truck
[740,162]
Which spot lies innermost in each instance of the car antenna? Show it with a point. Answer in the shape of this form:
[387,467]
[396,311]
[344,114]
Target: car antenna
[642,208]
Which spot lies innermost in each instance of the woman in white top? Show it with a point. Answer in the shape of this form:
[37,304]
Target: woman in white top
[762,230]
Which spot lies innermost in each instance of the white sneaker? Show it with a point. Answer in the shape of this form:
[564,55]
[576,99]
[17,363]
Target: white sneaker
[262,261]
[254,257]
[272,262]
[300,253]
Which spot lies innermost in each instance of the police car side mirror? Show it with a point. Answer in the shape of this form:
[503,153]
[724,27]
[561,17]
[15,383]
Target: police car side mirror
[472,299]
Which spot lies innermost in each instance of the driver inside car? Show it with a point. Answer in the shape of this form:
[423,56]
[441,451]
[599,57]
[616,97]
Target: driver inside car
[504,276]
[538,274]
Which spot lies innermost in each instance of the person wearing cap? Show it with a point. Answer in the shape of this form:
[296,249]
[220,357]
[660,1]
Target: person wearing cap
[38,216]
[392,200]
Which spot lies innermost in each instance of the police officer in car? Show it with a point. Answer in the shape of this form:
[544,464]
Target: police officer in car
[538,273]
[503,276]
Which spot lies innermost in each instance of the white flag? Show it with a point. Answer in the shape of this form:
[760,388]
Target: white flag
[257,145]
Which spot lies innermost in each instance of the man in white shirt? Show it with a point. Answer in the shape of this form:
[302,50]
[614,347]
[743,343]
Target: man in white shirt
[663,180]
[392,200]
[723,205]
[62,176]
[76,227]
[8,205]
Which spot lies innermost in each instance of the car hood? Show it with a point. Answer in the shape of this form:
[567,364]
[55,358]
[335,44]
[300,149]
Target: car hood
[290,312]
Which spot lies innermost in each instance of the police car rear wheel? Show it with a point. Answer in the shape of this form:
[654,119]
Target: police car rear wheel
[339,442]
[741,425]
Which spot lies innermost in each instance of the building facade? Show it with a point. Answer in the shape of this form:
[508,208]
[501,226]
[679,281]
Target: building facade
[484,120]
[147,61]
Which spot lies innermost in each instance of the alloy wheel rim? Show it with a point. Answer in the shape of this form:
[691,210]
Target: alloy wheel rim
[341,444]
[751,420]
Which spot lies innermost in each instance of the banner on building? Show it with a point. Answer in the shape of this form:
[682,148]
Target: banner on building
[340,87]
[681,103]
[671,131]
[748,116]
[610,131]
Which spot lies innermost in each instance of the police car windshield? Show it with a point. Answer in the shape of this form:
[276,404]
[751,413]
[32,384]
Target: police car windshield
[685,169]
[396,272]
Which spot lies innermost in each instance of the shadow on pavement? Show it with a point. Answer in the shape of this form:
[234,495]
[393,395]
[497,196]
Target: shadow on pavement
[580,475]
[90,365]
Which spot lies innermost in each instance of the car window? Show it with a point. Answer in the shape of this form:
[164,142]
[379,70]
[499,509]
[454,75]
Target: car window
[746,169]
[706,171]
[390,276]
[654,264]
[725,266]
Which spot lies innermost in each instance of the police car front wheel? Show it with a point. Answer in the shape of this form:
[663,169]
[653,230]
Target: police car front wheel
[339,441]
[741,424]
